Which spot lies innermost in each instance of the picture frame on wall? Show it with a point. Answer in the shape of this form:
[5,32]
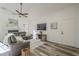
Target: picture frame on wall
[12,22]
[54,25]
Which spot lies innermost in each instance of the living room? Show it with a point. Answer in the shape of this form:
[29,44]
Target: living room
[56,23]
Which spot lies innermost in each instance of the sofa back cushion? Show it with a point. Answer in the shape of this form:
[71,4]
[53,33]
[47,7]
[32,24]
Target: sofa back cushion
[12,39]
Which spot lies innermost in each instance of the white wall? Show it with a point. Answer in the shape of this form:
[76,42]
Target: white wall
[3,26]
[76,32]
[68,13]
[35,17]
[4,16]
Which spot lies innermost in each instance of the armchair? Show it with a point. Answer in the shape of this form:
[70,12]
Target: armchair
[15,46]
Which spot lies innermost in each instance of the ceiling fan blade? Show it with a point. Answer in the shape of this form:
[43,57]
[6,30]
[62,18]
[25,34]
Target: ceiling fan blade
[23,16]
[5,9]
[17,11]
[25,13]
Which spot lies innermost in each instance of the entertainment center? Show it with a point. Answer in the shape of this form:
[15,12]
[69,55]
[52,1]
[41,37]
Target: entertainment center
[42,27]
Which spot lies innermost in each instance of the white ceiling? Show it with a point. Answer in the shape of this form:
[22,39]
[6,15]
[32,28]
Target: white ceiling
[35,9]
[41,7]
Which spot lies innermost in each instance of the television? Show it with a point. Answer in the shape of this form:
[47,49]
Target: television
[41,26]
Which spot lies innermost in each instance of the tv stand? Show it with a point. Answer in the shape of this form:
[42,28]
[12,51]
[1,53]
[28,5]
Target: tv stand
[43,37]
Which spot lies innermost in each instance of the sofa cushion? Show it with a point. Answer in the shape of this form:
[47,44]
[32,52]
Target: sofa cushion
[12,39]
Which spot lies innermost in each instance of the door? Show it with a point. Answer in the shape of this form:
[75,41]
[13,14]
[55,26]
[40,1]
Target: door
[67,32]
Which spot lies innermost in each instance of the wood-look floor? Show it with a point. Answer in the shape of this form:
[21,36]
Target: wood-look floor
[54,49]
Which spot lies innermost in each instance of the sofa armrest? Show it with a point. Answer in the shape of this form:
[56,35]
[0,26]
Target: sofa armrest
[16,47]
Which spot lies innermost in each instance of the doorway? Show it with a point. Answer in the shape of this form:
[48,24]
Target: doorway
[67,32]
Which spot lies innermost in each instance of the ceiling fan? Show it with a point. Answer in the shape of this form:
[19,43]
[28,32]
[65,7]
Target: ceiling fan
[20,13]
